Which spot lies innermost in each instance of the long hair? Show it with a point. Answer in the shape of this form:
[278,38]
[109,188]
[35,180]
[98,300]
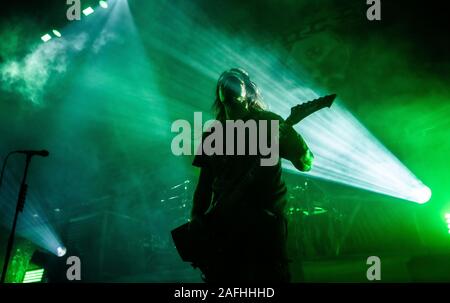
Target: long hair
[253,95]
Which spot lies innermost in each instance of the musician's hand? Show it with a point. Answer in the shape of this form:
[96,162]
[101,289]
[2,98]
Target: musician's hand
[304,163]
[294,148]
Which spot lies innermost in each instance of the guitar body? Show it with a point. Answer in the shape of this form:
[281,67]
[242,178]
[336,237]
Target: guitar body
[182,239]
[199,244]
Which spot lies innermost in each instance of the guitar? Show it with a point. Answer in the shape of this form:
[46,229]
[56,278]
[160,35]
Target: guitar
[199,245]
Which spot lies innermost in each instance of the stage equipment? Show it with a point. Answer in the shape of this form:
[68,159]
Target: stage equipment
[20,204]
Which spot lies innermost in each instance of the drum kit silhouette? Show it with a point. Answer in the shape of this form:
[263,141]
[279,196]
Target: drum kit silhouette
[314,221]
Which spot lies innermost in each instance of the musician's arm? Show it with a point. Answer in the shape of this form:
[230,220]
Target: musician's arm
[294,148]
[202,194]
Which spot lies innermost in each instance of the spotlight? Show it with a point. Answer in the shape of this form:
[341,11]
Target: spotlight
[88,11]
[103,4]
[57,33]
[46,37]
[423,194]
[61,251]
[33,276]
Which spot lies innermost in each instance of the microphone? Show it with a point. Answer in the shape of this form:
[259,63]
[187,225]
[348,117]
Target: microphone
[42,153]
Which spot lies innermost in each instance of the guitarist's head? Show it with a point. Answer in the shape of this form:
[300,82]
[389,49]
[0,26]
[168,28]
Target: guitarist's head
[236,91]
[231,87]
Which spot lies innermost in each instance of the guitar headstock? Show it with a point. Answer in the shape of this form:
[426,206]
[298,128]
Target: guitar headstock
[303,110]
[328,100]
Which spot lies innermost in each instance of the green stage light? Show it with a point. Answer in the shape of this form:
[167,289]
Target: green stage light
[103,4]
[423,194]
[88,11]
[33,276]
[46,37]
[447,220]
[57,33]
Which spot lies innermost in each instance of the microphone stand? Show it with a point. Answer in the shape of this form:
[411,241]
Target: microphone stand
[19,208]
